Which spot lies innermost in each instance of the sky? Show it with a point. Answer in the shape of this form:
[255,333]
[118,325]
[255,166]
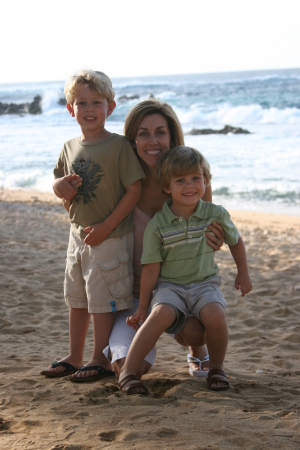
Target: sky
[50,40]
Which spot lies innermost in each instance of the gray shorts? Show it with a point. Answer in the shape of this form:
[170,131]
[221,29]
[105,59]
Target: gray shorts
[187,299]
[99,278]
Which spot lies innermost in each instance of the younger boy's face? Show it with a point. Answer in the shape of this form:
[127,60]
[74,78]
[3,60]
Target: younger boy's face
[90,109]
[187,190]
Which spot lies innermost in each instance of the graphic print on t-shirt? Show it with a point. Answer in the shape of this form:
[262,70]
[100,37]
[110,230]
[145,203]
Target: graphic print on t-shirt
[91,174]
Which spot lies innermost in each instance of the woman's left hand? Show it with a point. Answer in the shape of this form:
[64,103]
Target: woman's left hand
[215,237]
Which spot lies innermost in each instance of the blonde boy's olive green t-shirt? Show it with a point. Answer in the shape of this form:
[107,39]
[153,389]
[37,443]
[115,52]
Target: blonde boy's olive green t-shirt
[180,246]
[107,167]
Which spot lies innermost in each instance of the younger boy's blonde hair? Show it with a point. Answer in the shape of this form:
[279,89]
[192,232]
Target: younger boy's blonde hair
[180,161]
[97,81]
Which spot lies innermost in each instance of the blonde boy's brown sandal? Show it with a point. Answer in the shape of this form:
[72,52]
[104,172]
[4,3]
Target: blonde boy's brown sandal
[215,375]
[136,388]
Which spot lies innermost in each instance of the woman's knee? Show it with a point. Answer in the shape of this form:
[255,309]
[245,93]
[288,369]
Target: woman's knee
[192,334]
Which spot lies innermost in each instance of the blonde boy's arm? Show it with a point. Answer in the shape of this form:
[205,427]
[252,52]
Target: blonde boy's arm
[98,232]
[149,278]
[243,280]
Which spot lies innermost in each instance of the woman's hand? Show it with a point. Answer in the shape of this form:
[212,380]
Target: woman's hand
[139,316]
[215,237]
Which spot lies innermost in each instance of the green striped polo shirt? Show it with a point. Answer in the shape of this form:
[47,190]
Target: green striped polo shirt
[181,246]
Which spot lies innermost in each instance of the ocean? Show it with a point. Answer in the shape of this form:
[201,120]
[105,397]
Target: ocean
[257,171]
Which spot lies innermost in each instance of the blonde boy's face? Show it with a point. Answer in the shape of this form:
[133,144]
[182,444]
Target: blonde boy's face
[90,109]
[187,190]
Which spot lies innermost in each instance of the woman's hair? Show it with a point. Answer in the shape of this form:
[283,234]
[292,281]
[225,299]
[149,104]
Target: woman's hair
[180,161]
[147,108]
[97,81]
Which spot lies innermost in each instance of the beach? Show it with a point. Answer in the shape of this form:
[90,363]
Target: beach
[259,411]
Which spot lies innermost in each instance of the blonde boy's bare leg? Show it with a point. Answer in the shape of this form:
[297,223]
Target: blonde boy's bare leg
[79,320]
[214,320]
[161,317]
[102,326]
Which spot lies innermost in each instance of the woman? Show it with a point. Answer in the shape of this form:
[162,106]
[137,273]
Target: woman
[154,128]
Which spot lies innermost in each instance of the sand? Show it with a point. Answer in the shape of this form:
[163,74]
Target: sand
[260,411]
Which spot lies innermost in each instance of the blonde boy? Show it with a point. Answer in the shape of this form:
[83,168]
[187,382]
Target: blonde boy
[99,176]
[179,276]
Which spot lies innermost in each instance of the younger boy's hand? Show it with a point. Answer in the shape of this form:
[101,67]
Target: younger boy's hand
[244,283]
[96,234]
[139,316]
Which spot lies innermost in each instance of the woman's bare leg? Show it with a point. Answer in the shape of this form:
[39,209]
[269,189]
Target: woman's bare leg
[193,335]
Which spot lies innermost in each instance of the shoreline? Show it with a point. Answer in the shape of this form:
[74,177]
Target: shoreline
[247,216]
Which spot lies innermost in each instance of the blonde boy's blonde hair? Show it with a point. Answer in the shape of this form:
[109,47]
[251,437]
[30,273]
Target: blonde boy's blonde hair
[147,108]
[180,161]
[97,81]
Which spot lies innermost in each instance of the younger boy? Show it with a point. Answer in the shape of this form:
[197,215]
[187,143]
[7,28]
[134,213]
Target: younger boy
[179,269]
[107,178]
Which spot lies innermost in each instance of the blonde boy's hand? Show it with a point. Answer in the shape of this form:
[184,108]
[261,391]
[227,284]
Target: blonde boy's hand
[139,316]
[244,283]
[76,181]
[63,187]
[96,234]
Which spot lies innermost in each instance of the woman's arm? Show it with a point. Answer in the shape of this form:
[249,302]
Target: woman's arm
[215,237]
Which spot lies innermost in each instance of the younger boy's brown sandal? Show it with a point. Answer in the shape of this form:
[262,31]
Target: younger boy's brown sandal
[134,388]
[215,375]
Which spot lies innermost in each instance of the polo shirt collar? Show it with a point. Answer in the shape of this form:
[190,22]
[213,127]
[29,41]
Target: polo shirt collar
[171,216]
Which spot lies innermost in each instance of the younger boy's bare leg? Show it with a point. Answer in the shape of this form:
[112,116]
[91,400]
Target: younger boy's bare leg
[161,317]
[214,320]
[79,320]
[143,369]
[102,326]
[193,335]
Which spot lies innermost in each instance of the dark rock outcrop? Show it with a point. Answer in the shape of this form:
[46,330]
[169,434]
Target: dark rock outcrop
[227,129]
[125,98]
[22,108]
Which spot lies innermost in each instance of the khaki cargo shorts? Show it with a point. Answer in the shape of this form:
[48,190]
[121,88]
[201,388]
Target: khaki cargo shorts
[99,278]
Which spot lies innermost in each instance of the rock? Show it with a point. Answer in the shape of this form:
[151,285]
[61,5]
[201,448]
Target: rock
[62,101]
[22,108]
[125,98]
[227,129]
[35,106]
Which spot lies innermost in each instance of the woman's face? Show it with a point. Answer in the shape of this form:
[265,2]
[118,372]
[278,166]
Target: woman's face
[153,139]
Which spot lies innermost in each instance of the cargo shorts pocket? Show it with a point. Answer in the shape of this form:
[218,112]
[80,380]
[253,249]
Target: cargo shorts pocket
[118,274]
